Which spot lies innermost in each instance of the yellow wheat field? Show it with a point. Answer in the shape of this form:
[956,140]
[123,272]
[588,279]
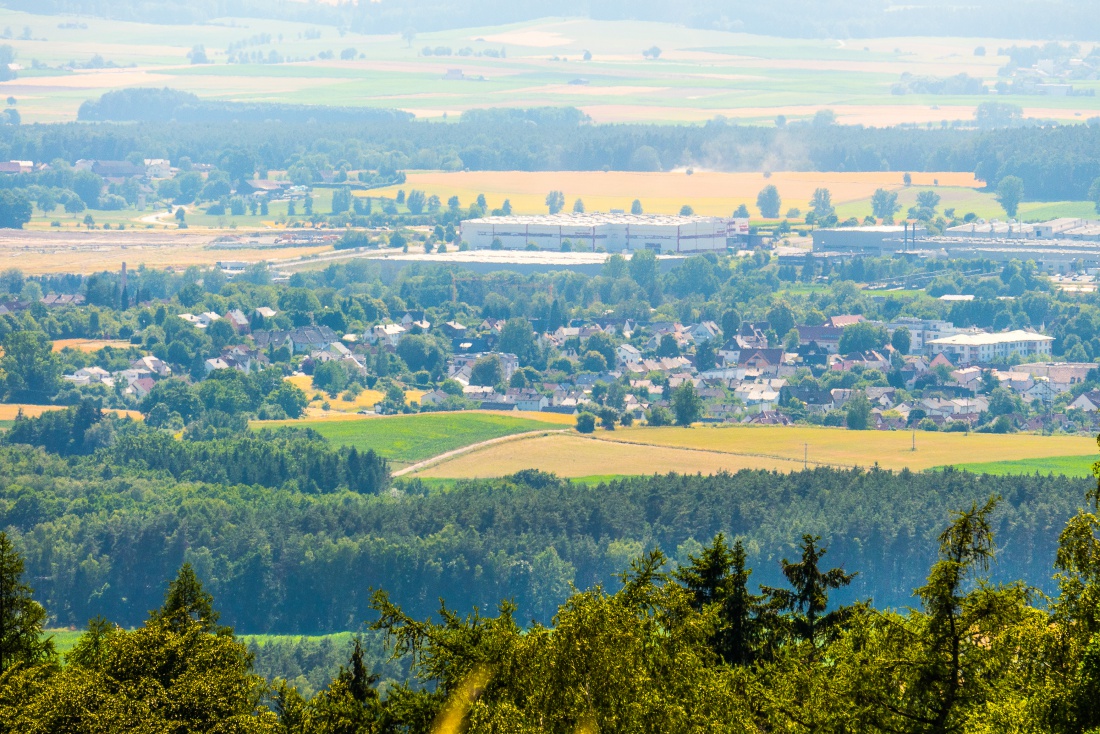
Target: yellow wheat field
[89,345]
[9,412]
[709,450]
[707,192]
[338,405]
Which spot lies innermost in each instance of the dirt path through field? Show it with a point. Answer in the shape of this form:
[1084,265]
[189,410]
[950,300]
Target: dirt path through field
[473,447]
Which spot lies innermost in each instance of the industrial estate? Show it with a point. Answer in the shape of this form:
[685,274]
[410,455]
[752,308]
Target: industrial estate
[1057,246]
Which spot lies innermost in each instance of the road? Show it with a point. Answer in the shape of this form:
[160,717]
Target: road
[472,447]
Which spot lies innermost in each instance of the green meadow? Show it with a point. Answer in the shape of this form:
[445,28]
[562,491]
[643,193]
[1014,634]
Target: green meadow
[409,439]
[1070,466]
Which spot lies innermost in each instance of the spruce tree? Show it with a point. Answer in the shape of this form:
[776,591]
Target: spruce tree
[21,617]
[186,602]
[719,576]
[807,600]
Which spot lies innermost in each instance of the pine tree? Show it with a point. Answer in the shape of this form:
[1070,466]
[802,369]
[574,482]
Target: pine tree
[21,617]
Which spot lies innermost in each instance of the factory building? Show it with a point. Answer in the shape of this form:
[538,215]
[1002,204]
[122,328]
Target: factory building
[1057,246]
[1066,228]
[604,232]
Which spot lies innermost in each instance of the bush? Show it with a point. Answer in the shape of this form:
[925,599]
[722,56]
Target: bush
[586,423]
[658,416]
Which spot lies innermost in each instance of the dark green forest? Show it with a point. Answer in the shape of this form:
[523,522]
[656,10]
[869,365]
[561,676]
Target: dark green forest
[699,647]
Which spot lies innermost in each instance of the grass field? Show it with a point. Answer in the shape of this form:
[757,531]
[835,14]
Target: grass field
[707,450]
[969,199]
[700,74]
[1070,466]
[405,440]
[64,640]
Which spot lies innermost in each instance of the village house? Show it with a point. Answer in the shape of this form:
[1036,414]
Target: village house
[704,331]
[239,321]
[1087,401]
[628,354]
[826,337]
[142,387]
[815,399]
[453,330]
[839,322]
[417,319]
[153,364]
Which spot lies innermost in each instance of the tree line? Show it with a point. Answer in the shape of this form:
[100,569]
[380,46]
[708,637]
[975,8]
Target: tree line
[1055,163]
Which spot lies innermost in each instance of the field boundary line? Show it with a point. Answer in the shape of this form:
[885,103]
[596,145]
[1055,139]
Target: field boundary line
[439,458]
[793,460]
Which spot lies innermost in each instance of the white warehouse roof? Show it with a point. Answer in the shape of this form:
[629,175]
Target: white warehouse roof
[979,340]
[594,219]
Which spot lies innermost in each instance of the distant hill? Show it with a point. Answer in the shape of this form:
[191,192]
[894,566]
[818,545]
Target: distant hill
[1048,19]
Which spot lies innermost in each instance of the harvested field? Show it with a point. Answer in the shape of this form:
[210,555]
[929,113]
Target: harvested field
[44,252]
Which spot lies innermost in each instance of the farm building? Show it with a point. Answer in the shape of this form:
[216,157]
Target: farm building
[606,232]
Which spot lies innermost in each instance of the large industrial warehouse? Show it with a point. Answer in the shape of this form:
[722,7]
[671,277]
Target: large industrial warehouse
[604,232]
[1057,246]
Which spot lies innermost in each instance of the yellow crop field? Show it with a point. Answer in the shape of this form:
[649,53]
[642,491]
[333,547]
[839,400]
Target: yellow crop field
[89,345]
[575,456]
[9,411]
[890,449]
[364,401]
[709,450]
[707,192]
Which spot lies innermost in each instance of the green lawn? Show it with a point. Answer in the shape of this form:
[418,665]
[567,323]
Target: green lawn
[1070,466]
[983,204]
[408,439]
[64,640]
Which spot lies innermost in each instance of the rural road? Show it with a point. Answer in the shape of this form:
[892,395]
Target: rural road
[472,447]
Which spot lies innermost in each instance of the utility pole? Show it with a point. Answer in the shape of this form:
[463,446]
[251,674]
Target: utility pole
[914,441]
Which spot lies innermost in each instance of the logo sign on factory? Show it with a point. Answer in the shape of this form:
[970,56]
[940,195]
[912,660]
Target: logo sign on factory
[737,228]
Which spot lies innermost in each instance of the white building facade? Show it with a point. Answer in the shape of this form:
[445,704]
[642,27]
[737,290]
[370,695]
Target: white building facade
[604,232]
[923,331]
[966,349]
